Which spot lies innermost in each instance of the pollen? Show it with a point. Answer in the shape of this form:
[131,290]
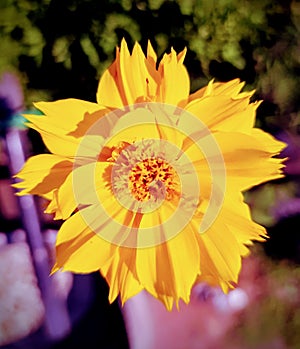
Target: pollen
[153,177]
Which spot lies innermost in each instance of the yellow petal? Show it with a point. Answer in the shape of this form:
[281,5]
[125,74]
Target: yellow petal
[62,115]
[156,228]
[242,121]
[151,55]
[208,271]
[43,173]
[234,162]
[140,84]
[171,268]
[222,245]
[110,89]
[79,189]
[92,122]
[214,110]
[267,142]
[136,125]
[230,88]
[241,151]
[91,185]
[134,81]
[78,248]
[58,144]
[175,83]
[120,273]
[224,251]
[236,215]
[63,203]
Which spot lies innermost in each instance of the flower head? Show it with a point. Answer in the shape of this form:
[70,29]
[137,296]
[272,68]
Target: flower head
[149,179]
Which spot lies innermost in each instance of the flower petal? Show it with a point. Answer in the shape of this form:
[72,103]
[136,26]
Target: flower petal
[138,82]
[120,273]
[43,173]
[61,116]
[136,125]
[63,203]
[58,144]
[214,110]
[222,245]
[171,268]
[241,151]
[78,248]
[224,251]
[237,216]
[175,83]
[95,123]
[231,88]
[110,89]
[121,85]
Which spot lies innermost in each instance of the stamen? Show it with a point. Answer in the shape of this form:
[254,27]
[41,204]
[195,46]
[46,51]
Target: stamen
[144,175]
[153,177]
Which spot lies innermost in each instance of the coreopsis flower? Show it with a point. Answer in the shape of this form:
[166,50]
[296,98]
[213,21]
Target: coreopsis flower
[150,179]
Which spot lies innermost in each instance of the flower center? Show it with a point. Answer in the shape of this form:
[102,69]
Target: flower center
[153,177]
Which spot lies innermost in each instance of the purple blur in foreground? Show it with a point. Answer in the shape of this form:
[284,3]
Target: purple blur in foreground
[56,322]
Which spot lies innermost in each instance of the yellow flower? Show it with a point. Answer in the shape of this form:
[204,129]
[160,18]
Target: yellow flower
[150,179]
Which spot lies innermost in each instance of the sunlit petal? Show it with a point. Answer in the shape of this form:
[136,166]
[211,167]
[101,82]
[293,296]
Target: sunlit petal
[42,174]
[78,248]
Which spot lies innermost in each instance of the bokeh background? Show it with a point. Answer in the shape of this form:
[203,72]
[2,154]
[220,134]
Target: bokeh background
[53,49]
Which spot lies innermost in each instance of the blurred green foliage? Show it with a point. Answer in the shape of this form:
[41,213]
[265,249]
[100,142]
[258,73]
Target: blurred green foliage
[61,48]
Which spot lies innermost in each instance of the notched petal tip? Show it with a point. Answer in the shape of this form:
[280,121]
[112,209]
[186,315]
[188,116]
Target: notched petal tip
[112,296]
[181,56]
[39,104]
[124,48]
[137,49]
[150,52]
